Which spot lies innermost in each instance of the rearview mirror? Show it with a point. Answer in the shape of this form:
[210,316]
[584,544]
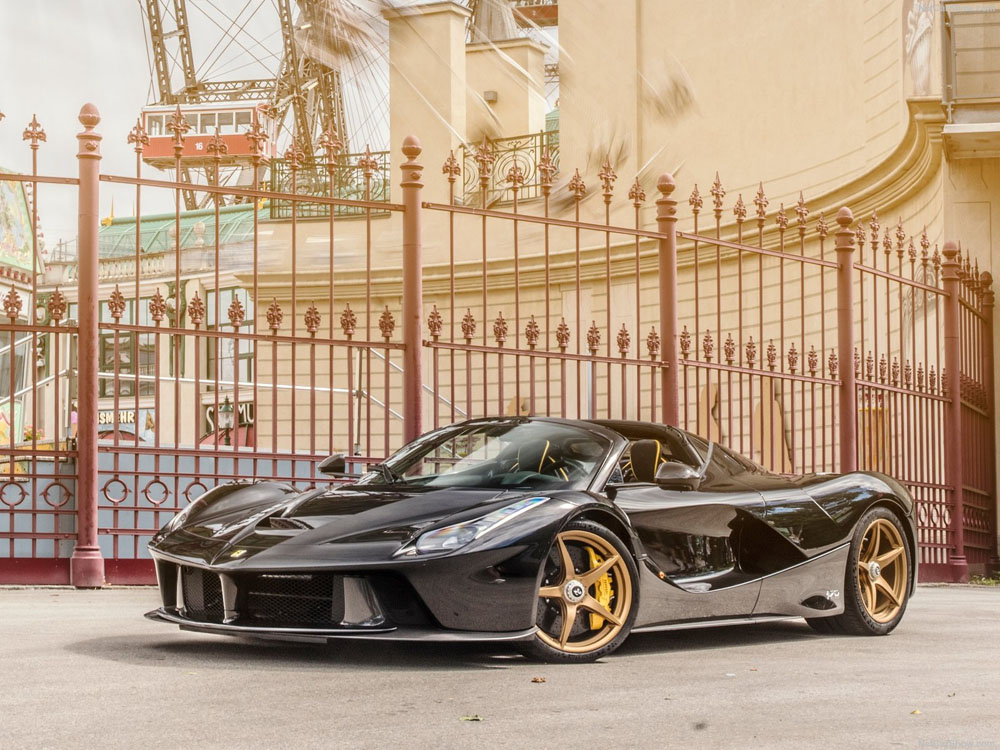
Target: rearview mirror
[335,464]
[673,475]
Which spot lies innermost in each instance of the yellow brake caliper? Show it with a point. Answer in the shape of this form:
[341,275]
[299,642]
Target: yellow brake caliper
[603,590]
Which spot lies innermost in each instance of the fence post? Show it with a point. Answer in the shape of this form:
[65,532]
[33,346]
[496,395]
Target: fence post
[666,224]
[413,304]
[953,409]
[87,564]
[844,241]
[988,305]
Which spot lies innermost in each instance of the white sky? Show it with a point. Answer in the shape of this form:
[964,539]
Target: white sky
[55,55]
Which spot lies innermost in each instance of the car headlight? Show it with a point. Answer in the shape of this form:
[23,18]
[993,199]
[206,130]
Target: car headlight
[458,535]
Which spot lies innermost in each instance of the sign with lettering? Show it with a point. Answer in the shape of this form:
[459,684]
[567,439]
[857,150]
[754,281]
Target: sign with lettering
[142,421]
[244,415]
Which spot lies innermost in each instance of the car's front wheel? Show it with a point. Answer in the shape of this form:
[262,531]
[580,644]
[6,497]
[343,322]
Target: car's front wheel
[588,596]
[878,579]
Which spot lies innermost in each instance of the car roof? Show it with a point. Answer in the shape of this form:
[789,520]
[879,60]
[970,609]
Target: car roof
[593,425]
[634,429]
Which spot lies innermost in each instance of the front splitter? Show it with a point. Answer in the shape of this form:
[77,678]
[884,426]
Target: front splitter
[311,635]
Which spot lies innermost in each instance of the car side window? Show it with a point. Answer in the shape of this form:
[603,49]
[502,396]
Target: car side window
[701,447]
[745,465]
[727,462]
[721,462]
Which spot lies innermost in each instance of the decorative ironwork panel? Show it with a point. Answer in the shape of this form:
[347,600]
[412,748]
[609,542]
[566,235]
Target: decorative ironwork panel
[312,177]
[524,154]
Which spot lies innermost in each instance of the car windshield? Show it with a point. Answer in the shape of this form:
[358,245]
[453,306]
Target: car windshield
[501,454]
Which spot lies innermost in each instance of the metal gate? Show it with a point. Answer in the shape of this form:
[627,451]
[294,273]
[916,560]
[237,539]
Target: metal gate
[252,339]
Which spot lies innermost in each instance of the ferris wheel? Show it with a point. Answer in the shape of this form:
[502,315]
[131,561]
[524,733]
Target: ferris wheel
[295,67]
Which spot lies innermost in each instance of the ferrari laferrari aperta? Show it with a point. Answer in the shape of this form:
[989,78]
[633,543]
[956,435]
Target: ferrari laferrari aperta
[562,536]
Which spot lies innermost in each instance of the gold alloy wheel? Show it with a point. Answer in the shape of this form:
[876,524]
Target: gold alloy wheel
[882,570]
[576,593]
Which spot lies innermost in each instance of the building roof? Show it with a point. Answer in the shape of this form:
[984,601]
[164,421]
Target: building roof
[197,230]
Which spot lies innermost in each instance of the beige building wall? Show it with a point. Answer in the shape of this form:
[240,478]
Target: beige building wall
[513,74]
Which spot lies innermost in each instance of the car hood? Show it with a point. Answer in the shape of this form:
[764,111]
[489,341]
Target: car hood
[348,514]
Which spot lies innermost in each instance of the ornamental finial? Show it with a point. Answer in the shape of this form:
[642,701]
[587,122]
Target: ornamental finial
[274,315]
[138,136]
[760,200]
[386,323]
[468,325]
[718,193]
[33,133]
[802,212]
[451,168]
[312,319]
[624,340]
[547,169]
[435,323]
[348,321]
[636,194]
[740,209]
[607,177]
[695,201]
[195,310]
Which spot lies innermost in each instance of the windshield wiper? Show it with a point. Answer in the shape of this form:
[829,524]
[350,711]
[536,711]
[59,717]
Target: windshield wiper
[390,476]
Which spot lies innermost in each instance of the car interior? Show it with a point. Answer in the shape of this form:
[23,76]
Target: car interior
[649,447]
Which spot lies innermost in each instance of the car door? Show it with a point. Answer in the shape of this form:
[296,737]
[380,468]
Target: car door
[692,540]
[793,553]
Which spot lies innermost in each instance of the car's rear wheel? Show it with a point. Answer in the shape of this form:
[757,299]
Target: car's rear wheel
[878,580]
[587,598]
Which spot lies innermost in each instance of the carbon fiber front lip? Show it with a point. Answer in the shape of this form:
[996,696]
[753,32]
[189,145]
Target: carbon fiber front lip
[322,636]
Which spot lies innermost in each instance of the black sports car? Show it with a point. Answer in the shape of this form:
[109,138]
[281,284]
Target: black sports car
[561,535]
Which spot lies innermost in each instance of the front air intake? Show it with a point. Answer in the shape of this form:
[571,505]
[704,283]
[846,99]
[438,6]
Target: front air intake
[294,599]
[202,595]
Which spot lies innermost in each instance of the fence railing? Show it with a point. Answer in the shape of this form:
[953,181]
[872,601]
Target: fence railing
[485,168]
[362,177]
[808,354]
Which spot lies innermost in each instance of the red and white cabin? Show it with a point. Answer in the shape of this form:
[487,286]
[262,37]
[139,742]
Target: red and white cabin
[233,120]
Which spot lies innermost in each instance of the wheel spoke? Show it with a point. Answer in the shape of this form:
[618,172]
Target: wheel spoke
[550,592]
[887,590]
[569,570]
[873,542]
[862,568]
[884,560]
[597,608]
[872,595]
[569,619]
[591,576]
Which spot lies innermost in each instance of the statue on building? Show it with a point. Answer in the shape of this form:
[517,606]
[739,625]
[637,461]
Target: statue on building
[492,21]
[919,24]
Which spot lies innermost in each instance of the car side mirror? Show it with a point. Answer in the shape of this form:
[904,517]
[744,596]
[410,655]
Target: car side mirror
[335,464]
[674,475]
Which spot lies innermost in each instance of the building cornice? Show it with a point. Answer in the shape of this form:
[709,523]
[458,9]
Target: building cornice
[910,166]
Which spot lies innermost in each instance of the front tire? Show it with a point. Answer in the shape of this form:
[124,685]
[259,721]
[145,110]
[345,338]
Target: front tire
[588,596]
[878,580]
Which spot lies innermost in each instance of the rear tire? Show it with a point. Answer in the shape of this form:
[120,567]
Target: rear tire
[878,579]
[588,596]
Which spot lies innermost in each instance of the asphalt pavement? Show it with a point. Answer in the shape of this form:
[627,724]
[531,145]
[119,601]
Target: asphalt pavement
[83,669]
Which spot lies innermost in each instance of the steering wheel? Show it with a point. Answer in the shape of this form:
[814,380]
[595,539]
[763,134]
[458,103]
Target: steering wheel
[565,469]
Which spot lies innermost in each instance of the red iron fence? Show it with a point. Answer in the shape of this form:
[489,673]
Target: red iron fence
[255,353]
